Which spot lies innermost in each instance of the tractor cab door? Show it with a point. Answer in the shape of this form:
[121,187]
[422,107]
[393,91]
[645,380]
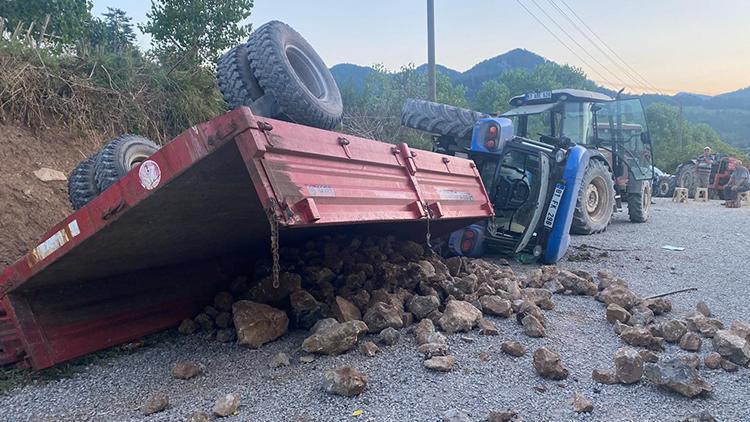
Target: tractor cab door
[621,125]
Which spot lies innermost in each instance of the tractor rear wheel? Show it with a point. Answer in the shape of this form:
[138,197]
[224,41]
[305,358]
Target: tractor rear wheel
[119,156]
[665,186]
[687,177]
[440,119]
[82,186]
[639,203]
[596,200]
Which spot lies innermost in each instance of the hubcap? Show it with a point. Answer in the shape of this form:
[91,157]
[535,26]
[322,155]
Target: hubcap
[137,159]
[596,198]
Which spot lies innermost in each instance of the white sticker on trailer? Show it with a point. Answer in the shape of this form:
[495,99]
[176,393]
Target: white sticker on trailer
[49,246]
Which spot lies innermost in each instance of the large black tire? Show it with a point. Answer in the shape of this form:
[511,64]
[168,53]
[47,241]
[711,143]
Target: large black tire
[119,156]
[665,186]
[295,78]
[687,177]
[82,186]
[596,200]
[440,119]
[639,203]
[236,81]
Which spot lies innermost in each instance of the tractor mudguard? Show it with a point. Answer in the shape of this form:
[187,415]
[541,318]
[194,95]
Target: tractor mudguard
[559,239]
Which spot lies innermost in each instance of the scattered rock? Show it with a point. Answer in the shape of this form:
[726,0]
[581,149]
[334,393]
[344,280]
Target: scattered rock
[732,347]
[641,337]
[648,356]
[504,416]
[692,361]
[495,305]
[532,327]
[335,339]
[540,297]
[487,327]
[345,381]
[547,364]
[198,416]
[578,285]
[616,312]
[581,404]
[677,376]
[323,324]
[607,279]
[513,348]
[226,405]
[712,360]
[672,330]
[619,295]
[529,308]
[604,377]
[307,359]
[691,342]
[279,360]
[225,335]
[223,301]
[264,290]
[641,316]
[185,370]
[459,316]
[455,415]
[368,349]
[381,316]
[257,323]
[421,306]
[205,322]
[49,175]
[155,404]
[729,366]
[706,326]
[440,363]
[224,320]
[389,336]
[428,350]
[741,329]
[703,308]
[188,326]
[344,310]
[658,306]
[628,365]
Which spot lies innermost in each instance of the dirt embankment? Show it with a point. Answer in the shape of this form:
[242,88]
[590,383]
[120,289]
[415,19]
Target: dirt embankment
[28,206]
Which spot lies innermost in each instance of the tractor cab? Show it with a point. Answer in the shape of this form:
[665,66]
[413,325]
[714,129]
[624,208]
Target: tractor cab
[615,131]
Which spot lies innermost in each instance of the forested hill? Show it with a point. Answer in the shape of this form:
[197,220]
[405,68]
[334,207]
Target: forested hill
[728,114]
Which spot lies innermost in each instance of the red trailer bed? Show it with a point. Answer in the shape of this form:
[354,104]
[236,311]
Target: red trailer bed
[150,250]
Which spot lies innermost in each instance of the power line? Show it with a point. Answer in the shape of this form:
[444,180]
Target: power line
[606,45]
[576,42]
[604,53]
[561,41]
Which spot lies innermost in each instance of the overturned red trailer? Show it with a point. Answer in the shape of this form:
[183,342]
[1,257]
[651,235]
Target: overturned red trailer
[149,251]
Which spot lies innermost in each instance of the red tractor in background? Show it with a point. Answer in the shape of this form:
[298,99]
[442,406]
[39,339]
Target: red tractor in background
[687,174]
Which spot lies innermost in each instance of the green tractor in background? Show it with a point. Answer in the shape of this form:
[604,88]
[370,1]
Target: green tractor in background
[613,129]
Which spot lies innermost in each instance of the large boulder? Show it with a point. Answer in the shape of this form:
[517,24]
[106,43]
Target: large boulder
[459,316]
[628,365]
[345,381]
[732,347]
[381,315]
[336,338]
[547,364]
[258,323]
[678,376]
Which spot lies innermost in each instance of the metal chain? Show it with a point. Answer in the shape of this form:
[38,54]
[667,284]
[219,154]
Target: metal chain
[428,235]
[275,267]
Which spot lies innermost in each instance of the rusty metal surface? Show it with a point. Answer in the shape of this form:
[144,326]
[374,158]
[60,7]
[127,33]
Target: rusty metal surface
[147,253]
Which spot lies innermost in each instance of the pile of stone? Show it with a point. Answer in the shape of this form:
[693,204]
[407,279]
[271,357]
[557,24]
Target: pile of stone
[343,288]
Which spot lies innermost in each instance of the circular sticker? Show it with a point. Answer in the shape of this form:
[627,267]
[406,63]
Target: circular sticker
[150,174]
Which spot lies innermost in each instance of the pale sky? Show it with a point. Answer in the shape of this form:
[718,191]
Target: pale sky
[676,45]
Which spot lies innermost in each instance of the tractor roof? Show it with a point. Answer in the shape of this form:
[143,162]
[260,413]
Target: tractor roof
[556,95]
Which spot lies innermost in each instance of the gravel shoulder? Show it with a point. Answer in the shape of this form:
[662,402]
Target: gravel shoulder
[400,389]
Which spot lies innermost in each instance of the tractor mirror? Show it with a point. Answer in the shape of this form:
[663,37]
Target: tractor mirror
[645,138]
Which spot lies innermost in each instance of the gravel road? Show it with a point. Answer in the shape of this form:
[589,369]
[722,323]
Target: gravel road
[400,389]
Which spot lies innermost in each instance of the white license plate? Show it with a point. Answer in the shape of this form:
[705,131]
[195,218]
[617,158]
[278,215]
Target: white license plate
[543,95]
[554,204]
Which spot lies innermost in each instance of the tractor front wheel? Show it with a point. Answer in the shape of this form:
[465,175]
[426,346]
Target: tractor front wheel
[639,203]
[596,200]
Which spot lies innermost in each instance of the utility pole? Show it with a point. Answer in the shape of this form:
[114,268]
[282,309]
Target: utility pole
[431,85]
[679,128]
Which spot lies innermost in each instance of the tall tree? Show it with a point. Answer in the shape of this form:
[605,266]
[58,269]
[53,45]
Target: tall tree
[69,19]
[120,29]
[196,31]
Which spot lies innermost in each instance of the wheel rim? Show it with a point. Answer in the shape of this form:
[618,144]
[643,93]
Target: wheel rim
[307,72]
[596,194]
[136,159]
[664,188]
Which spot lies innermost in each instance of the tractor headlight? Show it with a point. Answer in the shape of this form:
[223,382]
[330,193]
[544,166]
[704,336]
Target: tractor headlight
[559,155]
